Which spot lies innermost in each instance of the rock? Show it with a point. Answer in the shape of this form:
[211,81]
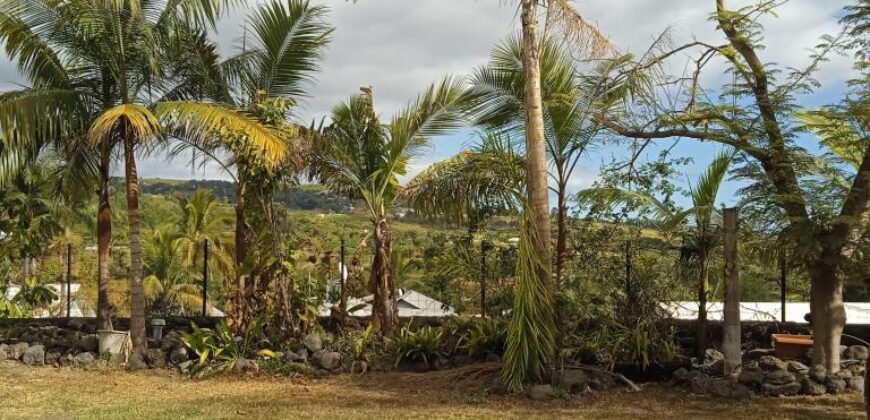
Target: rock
[797,367]
[313,343]
[76,324]
[716,368]
[34,356]
[724,388]
[155,358]
[818,373]
[17,350]
[496,386]
[601,381]
[574,380]
[89,343]
[185,366]
[245,365]
[84,359]
[359,367]
[290,356]
[137,361]
[778,377]
[699,384]
[771,363]
[303,354]
[420,366]
[329,360]
[751,365]
[809,386]
[857,352]
[834,384]
[540,392]
[843,349]
[320,373]
[4,352]
[178,355]
[756,354]
[856,383]
[751,378]
[773,390]
[52,358]
[462,360]
[441,363]
[680,375]
[844,374]
[712,355]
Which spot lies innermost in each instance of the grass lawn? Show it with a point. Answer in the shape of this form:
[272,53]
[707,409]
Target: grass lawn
[72,393]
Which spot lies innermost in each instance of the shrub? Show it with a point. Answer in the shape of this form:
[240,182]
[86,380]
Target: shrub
[423,345]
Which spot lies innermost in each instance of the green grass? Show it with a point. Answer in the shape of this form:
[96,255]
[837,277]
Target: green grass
[29,393]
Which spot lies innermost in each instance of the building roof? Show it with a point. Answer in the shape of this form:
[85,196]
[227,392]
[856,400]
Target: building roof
[857,313]
[410,303]
[58,305]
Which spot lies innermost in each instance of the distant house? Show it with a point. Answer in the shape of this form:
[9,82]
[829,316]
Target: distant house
[410,304]
[58,305]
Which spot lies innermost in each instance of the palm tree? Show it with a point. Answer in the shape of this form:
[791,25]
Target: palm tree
[702,237]
[169,287]
[269,75]
[360,157]
[201,220]
[498,90]
[112,71]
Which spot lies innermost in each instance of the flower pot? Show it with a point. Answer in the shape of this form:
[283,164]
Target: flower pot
[791,346]
[112,341]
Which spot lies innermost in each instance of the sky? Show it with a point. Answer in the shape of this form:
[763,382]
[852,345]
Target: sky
[398,47]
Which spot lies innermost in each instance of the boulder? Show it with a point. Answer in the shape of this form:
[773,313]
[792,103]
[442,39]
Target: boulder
[712,355]
[756,354]
[52,358]
[245,366]
[540,392]
[492,358]
[601,381]
[34,356]
[797,367]
[89,343]
[170,341]
[724,388]
[329,360]
[809,386]
[312,342]
[441,363]
[290,356]
[84,359]
[699,384]
[680,375]
[716,368]
[178,355]
[17,350]
[4,352]
[771,363]
[462,360]
[856,352]
[574,380]
[856,383]
[772,390]
[155,358]
[834,384]
[137,361]
[185,366]
[778,377]
[818,373]
[844,374]
[751,378]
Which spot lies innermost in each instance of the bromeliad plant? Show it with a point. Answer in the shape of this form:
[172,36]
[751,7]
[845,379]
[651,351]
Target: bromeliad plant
[423,345]
[224,348]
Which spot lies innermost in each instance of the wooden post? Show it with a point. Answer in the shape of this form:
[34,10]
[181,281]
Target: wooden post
[205,278]
[731,336]
[483,278]
[783,275]
[342,301]
[68,280]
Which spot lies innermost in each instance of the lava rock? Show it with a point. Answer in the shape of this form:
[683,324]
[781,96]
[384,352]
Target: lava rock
[751,378]
[329,360]
[699,384]
[178,355]
[772,390]
[155,358]
[34,356]
[778,377]
[834,384]
[290,356]
[818,373]
[492,358]
[797,367]
[52,358]
[137,361]
[4,352]
[89,343]
[771,363]
[540,392]
[313,343]
[83,359]
[856,383]
[857,352]
[756,354]
[574,380]
[170,341]
[724,388]
[809,386]
[680,375]
[712,355]
[17,350]
[245,365]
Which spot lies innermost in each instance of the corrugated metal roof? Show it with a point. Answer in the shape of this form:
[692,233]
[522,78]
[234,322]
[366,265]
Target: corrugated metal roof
[857,313]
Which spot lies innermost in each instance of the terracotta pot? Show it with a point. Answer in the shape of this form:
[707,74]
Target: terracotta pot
[791,346]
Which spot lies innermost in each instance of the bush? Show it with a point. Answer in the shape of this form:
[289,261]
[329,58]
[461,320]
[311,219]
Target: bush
[423,345]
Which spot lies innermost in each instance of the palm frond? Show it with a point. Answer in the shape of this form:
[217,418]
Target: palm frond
[140,121]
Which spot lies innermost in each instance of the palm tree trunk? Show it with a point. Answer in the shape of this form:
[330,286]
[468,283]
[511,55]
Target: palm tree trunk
[536,169]
[238,310]
[137,296]
[104,238]
[701,331]
[385,317]
[561,234]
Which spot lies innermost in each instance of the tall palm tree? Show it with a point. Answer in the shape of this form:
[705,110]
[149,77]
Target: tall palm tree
[201,220]
[362,158]
[270,74]
[112,72]
[699,240]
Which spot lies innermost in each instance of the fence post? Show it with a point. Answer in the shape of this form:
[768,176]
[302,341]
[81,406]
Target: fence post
[69,280]
[783,276]
[731,336]
[483,278]
[342,297]
[205,278]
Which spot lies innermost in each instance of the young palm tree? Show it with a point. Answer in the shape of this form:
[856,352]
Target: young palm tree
[360,157]
[702,237]
[201,221]
[169,286]
[268,76]
[96,69]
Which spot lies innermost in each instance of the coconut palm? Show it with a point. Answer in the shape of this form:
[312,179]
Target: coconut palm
[699,240]
[112,73]
[269,75]
[201,220]
[169,287]
[362,158]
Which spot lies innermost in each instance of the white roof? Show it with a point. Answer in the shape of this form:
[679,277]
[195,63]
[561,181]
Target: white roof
[857,313]
[58,305]
[410,304]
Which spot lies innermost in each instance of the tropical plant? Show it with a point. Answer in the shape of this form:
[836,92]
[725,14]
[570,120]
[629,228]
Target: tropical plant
[423,345]
[169,286]
[360,157]
[221,345]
